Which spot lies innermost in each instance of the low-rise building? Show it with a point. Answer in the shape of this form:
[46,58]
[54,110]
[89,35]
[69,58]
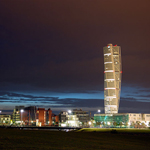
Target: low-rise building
[28,116]
[74,118]
[83,116]
[122,119]
[49,117]
[16,116]
[55,120]
[5,119]
[44,117]
[32,116]
[62,116]
[40,117]
[146,119]
[72,121]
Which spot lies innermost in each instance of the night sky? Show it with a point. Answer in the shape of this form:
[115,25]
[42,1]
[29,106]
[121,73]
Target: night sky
[51,53]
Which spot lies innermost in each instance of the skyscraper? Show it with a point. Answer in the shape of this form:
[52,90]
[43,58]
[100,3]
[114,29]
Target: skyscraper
[112,78]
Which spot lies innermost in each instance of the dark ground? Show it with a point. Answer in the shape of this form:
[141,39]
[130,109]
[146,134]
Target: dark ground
[41,139]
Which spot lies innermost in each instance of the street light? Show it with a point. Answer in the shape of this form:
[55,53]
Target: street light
[90,123]
[69,111]
[0,111]
[22,110]
[99,110]
[21,114]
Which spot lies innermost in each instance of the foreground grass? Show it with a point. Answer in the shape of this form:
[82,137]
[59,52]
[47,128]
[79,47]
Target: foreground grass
[118,130]
[31,139]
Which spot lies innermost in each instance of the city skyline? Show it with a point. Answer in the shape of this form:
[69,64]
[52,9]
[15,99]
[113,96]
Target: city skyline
[52,53]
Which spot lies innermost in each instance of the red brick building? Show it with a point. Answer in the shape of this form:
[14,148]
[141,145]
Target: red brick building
[49,117]
[55,119]
[28,115]
[41,116]
[38,117]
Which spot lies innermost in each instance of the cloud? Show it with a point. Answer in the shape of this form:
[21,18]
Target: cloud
[127,104]
[58,47]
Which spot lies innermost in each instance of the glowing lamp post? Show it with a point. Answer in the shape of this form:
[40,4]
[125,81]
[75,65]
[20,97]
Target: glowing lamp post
[90,123]
[21,114]
[99,110]
[69,111]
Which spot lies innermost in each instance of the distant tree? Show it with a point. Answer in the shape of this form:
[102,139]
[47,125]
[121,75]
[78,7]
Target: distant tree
[132,124]
[126,124]
[120,124]
[143,125]
[98,123]
[94,123]
[138,124]
[114,123]
[103,123]
[83,123]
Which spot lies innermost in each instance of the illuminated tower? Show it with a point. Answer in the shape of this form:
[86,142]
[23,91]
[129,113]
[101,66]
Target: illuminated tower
[112,78]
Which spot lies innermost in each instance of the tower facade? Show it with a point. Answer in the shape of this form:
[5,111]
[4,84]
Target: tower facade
[112,78]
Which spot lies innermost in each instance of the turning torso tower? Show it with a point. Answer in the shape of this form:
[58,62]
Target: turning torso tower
[112,78]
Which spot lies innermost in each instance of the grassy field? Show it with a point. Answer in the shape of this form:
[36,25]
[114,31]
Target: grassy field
[90,139]
[116,130]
